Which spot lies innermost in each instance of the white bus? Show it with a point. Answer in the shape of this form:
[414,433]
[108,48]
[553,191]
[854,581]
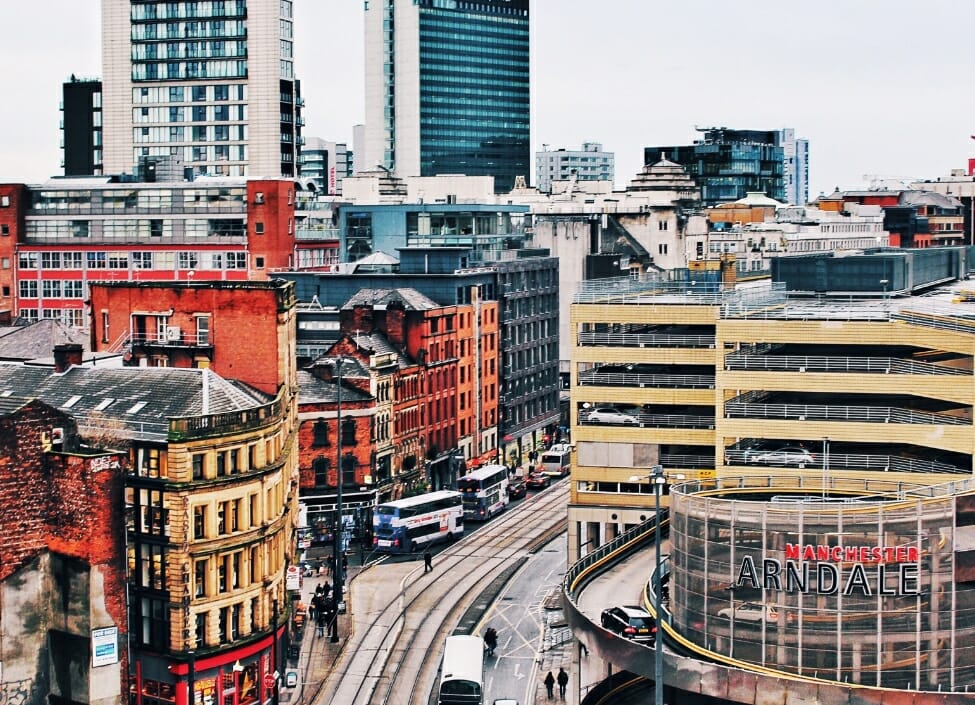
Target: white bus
[484,491]
[555,462]
[462,672]
[406,525]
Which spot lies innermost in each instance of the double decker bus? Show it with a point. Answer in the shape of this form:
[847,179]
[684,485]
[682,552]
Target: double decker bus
[484,491]
[462,672]
[405,525]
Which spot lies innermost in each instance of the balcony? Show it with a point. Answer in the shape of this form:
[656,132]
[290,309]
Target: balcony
[174,337]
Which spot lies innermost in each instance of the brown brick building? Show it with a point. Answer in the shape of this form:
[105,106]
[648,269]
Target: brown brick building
[62,568]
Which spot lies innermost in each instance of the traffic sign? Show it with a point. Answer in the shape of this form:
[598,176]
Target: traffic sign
[269,681]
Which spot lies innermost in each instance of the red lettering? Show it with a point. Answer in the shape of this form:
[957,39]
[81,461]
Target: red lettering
[792,551]
[837,553]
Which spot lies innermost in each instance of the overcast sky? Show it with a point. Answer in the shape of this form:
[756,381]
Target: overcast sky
[876,86]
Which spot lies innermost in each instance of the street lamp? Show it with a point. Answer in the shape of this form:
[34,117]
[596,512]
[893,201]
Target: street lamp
[658,480]
[337,588]
[825,463]
[884,283]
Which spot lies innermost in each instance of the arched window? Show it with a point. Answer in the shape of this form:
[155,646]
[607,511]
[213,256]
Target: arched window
[321,434]
[321,467]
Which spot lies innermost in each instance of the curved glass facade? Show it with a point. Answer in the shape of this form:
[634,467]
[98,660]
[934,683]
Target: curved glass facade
[868,585]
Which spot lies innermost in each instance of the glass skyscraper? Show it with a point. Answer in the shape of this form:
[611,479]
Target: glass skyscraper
[447,88]
[210,83]
[728,164]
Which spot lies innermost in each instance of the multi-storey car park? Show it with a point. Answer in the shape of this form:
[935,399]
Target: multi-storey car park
[816,433]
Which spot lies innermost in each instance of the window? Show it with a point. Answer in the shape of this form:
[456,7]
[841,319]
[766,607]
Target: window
[199,522]
[200,578]
[320,465]
[198,464]
[259,262]
[222,511]
[320,431]
[348,432]
[202,330]
[259,228]
[221,463]
[4,229]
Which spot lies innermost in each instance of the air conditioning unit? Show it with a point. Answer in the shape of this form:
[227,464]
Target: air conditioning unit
[172,333]
[57,436]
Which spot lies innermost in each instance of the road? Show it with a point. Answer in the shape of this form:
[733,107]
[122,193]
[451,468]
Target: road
[401,615]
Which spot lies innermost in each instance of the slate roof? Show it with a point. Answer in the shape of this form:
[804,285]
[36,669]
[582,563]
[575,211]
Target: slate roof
[410,299]
[378,344]
[312,390]
[37,340]
[141,398]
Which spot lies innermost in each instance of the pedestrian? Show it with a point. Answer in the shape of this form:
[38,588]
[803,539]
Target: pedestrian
[563,681]
[427,561]
[320,622]
[491,640]
[550,685]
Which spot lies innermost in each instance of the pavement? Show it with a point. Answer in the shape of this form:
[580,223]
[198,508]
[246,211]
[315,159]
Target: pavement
[317,655]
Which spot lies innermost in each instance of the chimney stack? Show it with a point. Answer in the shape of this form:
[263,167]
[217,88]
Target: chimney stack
[66,355]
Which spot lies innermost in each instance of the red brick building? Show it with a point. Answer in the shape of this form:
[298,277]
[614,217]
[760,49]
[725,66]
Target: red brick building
[236,329]
[59,238]
[62,565]
[323,463]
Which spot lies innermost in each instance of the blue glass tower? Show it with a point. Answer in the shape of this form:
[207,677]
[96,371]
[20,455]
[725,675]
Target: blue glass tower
[447,88]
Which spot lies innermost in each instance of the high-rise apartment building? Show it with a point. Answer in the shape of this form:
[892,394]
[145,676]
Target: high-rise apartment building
[209,83]
[81,127]
[590,163]
[327,163]
[447,88]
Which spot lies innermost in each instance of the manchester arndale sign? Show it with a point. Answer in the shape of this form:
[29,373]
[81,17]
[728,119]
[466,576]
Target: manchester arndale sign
[831,570]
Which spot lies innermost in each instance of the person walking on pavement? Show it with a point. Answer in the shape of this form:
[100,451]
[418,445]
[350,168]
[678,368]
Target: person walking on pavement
[550,685]
[491,640]
[320,622]
[427,561]
[563,681]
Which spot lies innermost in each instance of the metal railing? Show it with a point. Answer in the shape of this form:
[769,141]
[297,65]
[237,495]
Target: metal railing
[634,379]
[823,412]
[646,340]
[822,363]
[933,320]
[855,461]
[673,460]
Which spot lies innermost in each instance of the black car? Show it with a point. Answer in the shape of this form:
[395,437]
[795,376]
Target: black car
[537,480]
[517,488]
[630,621]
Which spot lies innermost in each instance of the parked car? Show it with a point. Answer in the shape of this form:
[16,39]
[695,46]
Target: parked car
[754,612]
[610,415]
[537,480]
[630,621]
[784,456]
[517,488]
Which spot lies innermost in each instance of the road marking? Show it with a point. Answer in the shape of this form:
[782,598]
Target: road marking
[518,673]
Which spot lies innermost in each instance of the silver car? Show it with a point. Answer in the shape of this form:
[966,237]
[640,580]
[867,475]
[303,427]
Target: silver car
[610,415]
[784,456]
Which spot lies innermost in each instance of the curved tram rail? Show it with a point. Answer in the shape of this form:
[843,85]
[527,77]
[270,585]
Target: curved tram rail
[395,656]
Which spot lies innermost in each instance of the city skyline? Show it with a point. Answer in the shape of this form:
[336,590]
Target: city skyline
[835,72]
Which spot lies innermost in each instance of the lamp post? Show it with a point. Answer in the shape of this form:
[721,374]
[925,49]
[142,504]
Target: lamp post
[658,480]
[825,464]
[338,581]
[884,283]
[274,650]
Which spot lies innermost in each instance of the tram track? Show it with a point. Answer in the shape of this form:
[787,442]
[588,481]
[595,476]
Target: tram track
[393,655]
